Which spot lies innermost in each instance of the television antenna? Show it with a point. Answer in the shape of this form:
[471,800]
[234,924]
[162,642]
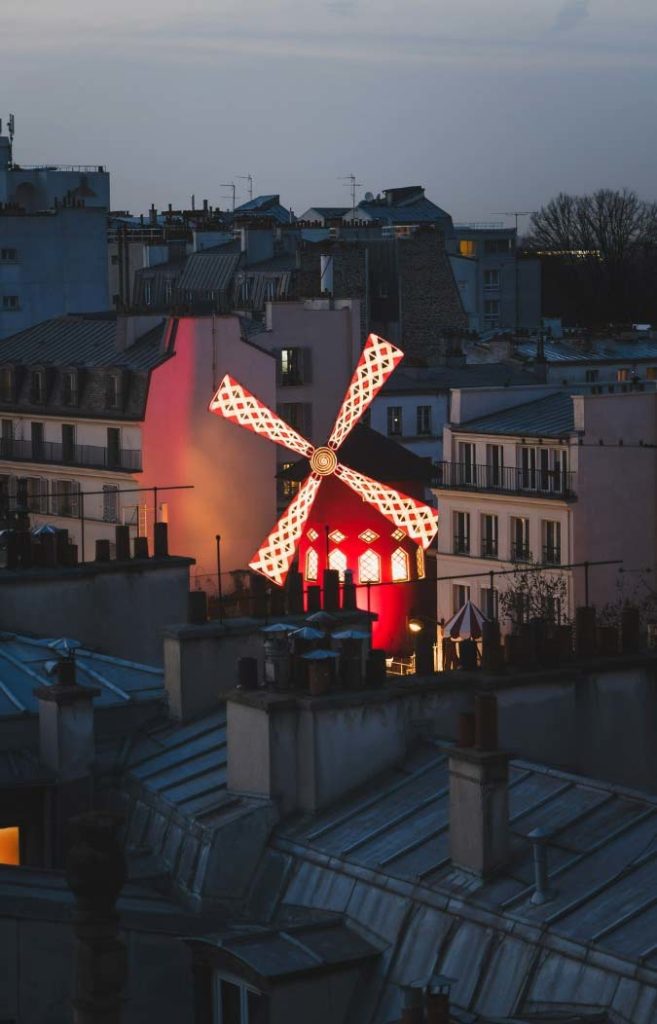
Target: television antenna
[515,214]
[352,186]
[249,178]
[231,186]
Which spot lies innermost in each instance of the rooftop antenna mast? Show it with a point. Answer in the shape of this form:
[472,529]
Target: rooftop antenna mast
[249,178]
[231,186]
[352,186]
[11,124]
[515,214]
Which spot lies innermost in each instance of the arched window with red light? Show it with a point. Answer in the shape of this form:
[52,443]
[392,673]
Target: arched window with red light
[399,566]
[338,560]
[312,565]
[369,567]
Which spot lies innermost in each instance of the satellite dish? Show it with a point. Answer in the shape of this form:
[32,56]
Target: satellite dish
[369,197]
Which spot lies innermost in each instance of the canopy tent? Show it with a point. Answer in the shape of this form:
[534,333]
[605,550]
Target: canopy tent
[466,624]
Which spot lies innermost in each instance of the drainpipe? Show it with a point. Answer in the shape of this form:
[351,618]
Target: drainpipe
[542,893]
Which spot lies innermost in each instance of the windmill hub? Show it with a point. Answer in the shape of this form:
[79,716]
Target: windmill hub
[324,461]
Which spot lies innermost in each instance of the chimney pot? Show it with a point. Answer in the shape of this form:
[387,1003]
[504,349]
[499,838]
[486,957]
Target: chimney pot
[437,1008]
[140,547]
[314,599]
[161,540]
[331,590]
[197,607]
[102,550]
[122,534]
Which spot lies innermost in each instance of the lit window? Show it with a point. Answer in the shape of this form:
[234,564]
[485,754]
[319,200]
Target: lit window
[312,564]
[367,536]
[398,534]
[10,845]
[623,374]
[399,565]
[467,247]
[651,373]
[338,560]
[312,535]
[337,537]
[419,559]
[369,567]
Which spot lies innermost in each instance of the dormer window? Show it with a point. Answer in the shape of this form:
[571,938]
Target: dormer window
[112,391]
[6,384]
[70,387]
[37,387]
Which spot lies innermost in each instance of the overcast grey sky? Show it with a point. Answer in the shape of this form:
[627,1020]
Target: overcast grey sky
[490,106]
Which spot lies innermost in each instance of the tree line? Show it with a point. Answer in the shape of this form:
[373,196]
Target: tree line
[599,257]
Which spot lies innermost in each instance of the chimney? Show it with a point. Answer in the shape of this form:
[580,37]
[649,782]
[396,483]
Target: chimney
[478,796]
[66,723]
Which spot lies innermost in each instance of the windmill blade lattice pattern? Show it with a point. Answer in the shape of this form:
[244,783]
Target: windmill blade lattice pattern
[232,401]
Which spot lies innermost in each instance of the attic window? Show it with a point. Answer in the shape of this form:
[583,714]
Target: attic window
[6,384]
[37,387]
[237,1003]
[10,845]
[112,391]
[70,388]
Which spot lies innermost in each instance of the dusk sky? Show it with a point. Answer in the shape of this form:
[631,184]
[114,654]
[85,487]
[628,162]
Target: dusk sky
[491,107]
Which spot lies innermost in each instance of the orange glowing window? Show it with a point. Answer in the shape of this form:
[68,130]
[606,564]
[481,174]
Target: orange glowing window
[9,845]
[338,560]
[399,565]
[312,564]
[369,567]
[419,556]
[467,247]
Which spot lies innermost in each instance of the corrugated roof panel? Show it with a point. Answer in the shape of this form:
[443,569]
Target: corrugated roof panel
[81,341]
[208,272]
[551,416]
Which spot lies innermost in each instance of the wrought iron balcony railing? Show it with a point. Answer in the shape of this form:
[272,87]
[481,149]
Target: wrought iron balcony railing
[70,454]
[507,480]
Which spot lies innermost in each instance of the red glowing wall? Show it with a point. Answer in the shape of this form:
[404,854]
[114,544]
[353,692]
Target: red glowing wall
[340,510]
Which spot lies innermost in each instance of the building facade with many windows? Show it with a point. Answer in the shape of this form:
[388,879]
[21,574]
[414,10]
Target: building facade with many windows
[539,477]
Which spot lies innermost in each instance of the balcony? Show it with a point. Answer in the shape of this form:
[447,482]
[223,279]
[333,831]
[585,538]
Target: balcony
[461,545]
[505,480]
[551,554]
[56,453]
[488,547]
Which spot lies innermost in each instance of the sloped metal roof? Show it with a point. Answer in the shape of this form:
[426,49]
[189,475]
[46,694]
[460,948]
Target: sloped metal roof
[422,380]
[22,668]
[185,765]
[208,272]
[267,206]
[551,416]
[382,858]
[600,351]
[81,341]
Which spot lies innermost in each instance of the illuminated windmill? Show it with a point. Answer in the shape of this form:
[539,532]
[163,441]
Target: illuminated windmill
[377,362]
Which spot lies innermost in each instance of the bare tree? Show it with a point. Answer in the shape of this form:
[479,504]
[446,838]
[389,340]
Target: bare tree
[534,592]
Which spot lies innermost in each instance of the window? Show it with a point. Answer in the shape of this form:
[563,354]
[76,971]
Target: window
[338,561]
[466,463]
[35,494]
[37,387]
[10,303]
[36,430]
[489,602]
[113,447]
[8,255]
[622,375]
[312,565]
[551,542]
[10,845]
[394,419]
[112,391]
[651,372]
[6,384]
[591,376]
[70,388]
[419,561]
[467,247]
[148,292]
[297,414]
[491,280]
[399,565]
[110,503]
[65,498]
[489,525]
[290,366]
[287,488]
[68,442]
[7,439]
[491,312]
[238,1004]
[369,567]
[424,419]
[519,539]
[494,465]
[461,533]
[460,594]
[168,290]
[543,469]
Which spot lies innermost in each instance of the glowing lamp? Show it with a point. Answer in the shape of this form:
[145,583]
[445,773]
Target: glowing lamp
[378,360]
[415,625]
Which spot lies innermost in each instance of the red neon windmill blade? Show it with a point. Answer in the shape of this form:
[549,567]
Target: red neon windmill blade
[378,360]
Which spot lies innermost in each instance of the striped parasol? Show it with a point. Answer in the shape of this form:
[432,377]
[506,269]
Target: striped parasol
[466,624]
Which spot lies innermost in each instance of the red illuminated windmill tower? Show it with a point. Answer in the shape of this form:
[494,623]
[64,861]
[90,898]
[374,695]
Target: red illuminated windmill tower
[410,517]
